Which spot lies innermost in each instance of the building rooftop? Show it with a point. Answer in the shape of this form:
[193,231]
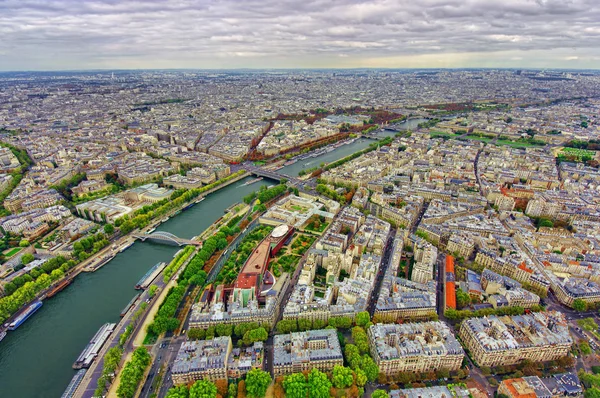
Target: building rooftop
[392,341]
[520,331]
[309,346]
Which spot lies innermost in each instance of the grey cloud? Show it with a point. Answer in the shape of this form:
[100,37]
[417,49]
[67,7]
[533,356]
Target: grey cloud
[70,34]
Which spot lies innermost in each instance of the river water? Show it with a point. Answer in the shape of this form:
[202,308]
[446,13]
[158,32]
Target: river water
[36,359]
[345,150]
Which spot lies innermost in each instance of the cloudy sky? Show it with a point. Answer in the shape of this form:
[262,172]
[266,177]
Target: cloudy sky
[85,34]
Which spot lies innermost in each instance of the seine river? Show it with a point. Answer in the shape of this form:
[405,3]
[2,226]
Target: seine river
[36,359]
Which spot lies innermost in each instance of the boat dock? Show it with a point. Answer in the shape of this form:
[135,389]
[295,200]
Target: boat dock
[125,247]
[102,262]
[130,304]
[74,383]
[59,287]
[150,276]
[90,351]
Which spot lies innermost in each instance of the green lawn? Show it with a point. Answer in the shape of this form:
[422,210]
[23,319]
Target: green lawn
[580,153]
[440,134]
[513,144]
[479,138]
[300,209]
[321,228]
[12,252]
[150,338]
[516,144]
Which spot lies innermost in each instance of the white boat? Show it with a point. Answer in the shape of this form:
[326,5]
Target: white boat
[2,335]
[125,247]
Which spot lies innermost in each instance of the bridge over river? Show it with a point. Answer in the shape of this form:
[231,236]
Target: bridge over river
[166,238]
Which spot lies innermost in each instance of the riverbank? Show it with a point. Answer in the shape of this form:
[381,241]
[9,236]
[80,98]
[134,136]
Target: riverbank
[139,334]
[110,251]
[58,332]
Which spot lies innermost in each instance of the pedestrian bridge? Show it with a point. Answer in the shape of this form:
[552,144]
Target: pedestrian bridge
[166,238]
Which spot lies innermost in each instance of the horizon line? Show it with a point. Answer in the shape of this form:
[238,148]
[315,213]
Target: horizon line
[297,69]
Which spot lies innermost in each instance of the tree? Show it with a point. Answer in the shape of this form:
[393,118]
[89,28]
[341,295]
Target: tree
[369,367]
[196,334]
[241,391]
[579,305]
[592,393]
[295,386]
[178,392]
[27,258]
[132,373]
[544,222]
[442,374]
[304,324]
[152,290]
[318,384]
[360,339]
[232,390]
[203,389]
[584,347]
[463,299]
[341,322]
[222,387]
[24,243]
[252,336]
[224,330]
[361,378]
[109,229]
[362,318]
[257,382]
[342,376]
[286,326]
[380,394]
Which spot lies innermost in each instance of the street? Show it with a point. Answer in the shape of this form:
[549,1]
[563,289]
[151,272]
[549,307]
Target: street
[164,352]
[385,262]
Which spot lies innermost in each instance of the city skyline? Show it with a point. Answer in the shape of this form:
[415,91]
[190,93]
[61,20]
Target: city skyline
[104,34]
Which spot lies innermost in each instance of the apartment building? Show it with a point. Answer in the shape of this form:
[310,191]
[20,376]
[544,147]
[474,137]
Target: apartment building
[495,341]
[202,359]
[303,351]
[414,347]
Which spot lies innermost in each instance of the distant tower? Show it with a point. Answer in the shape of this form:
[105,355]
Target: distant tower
[112,75]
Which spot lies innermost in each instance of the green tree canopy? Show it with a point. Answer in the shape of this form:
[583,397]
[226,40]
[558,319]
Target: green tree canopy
[203,389]
[579,305]
[178,392]
[27,258]
[342,376]
[318,384]
[369,367]
[257,382]
[295,386]
[380,394]
[152,290]
[592,393]
[362,318]
[546,223]
[361,378]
